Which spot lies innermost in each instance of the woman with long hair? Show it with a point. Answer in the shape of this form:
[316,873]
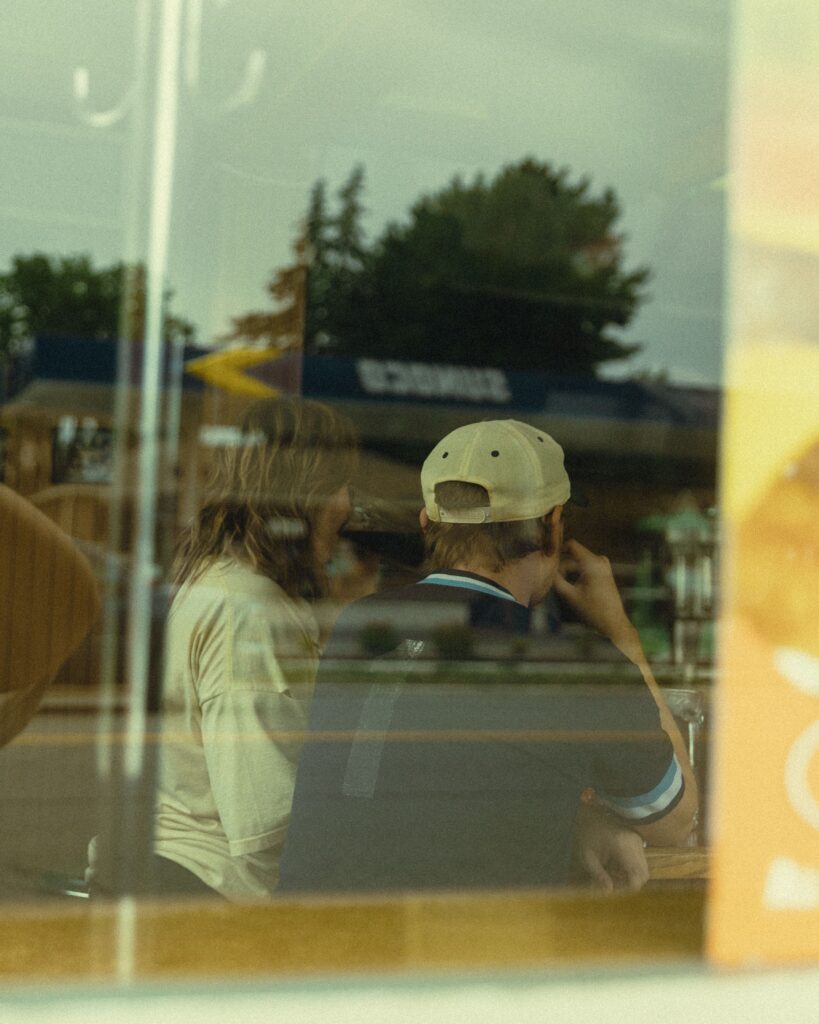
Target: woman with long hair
[242,647]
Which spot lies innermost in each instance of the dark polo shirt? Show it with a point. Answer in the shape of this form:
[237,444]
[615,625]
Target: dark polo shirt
[422,780]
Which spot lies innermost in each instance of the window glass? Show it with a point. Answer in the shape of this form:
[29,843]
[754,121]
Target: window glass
[259,266]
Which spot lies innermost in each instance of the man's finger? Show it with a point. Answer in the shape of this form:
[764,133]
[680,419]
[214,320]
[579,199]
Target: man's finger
[565,571]
[632,866]
[563,588]
[596,872]
[635,879]
[577,549]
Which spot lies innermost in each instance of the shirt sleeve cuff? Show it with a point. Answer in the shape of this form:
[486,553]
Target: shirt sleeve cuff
[255,844]
[652,805]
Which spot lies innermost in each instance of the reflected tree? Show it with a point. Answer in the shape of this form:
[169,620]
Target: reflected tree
[526,270]
[67,295]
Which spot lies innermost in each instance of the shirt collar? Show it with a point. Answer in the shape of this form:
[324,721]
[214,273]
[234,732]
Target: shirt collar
[469,581]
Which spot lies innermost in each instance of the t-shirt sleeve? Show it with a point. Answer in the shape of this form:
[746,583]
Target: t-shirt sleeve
[256,667]
[653,804]
[637,775]
[252,741]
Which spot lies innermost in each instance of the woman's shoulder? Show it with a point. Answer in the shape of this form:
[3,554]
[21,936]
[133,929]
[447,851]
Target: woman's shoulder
[231,581]
[222,581]
[230,575]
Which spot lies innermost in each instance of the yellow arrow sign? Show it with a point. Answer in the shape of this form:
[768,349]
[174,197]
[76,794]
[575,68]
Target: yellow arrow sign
[225,370]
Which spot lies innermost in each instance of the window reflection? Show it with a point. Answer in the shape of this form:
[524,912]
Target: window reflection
[386,234]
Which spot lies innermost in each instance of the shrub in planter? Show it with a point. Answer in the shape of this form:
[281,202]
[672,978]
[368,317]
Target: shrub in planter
[519,648]
[377,638]
[453,641]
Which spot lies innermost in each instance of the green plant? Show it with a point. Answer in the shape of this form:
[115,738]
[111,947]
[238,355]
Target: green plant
[377,638]
[519,647]
[453,641]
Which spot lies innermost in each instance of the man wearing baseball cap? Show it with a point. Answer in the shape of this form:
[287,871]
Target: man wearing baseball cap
[415,777]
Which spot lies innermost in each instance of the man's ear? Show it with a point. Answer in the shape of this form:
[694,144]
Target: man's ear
[423,519]
[554,532]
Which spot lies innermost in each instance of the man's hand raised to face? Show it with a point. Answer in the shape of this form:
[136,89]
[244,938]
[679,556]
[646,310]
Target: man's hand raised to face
[594,597]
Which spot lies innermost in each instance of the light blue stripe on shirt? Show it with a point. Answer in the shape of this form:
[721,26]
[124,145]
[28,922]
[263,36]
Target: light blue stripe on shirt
[653,802]
[441,579]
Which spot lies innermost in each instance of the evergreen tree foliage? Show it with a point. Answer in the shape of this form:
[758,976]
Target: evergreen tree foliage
[522,271]
[66,295]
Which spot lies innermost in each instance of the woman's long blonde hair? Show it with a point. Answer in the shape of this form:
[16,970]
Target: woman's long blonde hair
[291,455]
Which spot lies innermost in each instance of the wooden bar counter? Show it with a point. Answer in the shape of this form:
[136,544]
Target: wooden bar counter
[141,940]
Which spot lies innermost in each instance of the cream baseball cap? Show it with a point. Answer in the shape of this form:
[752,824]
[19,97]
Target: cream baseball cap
[520,467]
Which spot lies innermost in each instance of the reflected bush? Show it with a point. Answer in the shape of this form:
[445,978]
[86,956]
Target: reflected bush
[378,638]
[453,641]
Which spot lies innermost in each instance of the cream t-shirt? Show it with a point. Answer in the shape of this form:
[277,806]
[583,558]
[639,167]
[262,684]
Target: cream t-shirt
[241,661]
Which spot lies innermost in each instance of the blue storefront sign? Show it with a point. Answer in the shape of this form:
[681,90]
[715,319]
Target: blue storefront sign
[392,381]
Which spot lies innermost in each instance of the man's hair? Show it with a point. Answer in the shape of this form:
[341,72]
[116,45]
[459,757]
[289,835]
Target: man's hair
[265,491]
[491,545]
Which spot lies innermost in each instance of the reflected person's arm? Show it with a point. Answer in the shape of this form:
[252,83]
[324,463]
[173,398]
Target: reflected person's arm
[48,604]
[593,595]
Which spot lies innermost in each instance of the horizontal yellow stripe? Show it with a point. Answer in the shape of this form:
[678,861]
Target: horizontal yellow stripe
[347,736]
